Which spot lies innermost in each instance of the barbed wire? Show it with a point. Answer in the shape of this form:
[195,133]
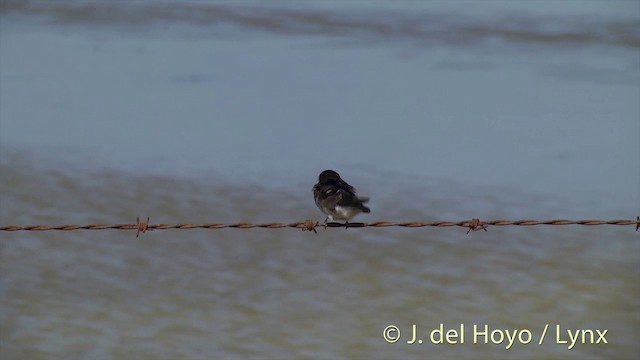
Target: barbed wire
[474,224]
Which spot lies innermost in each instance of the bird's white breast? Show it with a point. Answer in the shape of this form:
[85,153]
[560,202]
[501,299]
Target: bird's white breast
[345,213]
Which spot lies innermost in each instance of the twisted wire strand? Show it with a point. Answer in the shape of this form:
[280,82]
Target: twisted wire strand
[473,225]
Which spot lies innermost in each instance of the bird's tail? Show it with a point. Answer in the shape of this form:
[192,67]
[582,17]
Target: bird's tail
[362,207]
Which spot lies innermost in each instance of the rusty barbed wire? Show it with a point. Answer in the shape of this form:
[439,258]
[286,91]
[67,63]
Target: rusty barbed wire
[474,224]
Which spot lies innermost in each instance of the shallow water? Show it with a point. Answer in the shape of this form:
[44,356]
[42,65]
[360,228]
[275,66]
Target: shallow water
[199,113]
[270,293]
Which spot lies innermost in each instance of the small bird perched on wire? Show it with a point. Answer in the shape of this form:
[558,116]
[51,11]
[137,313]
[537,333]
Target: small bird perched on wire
[336,198]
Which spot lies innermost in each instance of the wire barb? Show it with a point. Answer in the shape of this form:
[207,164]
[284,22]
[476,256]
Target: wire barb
[309,225]
[141,226]
[476,225]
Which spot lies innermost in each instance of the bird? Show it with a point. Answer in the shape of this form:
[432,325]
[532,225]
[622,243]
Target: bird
[336,198]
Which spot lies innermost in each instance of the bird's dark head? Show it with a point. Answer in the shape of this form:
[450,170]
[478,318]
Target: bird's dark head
[328,175]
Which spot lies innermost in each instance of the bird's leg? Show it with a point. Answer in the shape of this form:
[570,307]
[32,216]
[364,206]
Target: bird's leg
[325,221]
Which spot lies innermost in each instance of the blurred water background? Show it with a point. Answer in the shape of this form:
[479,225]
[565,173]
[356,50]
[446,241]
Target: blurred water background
[226,111]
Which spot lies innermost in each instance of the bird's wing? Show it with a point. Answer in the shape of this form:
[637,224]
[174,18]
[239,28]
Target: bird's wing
[332,195]
[348,198]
